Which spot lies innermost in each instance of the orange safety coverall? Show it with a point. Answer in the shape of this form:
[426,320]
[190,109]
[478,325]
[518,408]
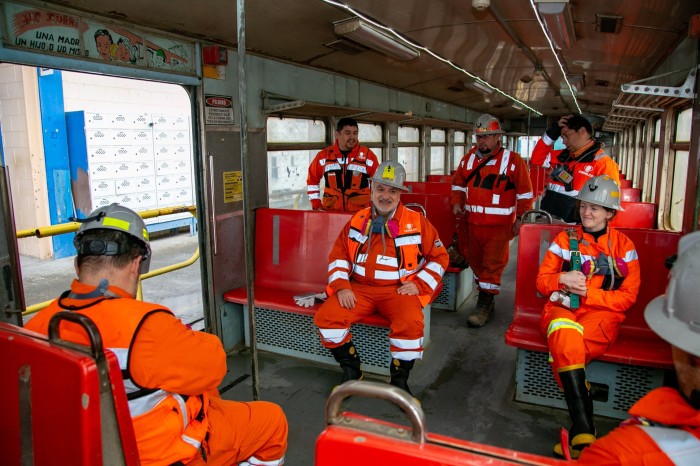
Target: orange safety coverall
[577,336]
[629,444]
[413,252]
[498,194]
[588,162]
[346,178]
[171,375]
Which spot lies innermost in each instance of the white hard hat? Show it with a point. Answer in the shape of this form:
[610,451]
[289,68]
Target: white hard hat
[390,173]
[487,124]
[675,316]
[113,217]
[601,190]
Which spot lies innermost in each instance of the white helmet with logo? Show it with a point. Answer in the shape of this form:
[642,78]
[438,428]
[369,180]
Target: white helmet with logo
[487,124]
[601,190]
[390,173]
[675,316]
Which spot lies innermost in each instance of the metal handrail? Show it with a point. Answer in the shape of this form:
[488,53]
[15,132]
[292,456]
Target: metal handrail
[70,227]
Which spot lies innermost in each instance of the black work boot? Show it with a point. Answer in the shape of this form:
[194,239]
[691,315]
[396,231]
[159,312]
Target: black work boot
[484,308]
[580,404]
[400,371]
[349,361]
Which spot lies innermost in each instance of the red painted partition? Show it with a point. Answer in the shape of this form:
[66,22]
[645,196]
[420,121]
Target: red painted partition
[438,210]
[631,194]
[56,382]
[636,215]
[636,343]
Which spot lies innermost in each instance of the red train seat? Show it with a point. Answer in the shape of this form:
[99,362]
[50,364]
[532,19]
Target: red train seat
[439,178]
[636,215]
[291,258]
[636,343]
[420,187]
[624,183]
[349,437]
[61,403]
[630,194]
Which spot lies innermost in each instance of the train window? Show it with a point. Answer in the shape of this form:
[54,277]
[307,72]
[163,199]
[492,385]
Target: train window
[409,151]
[438,150]
[525,146]
[460,148]
[650,175]
[680,148]
[371,135]
[292,143]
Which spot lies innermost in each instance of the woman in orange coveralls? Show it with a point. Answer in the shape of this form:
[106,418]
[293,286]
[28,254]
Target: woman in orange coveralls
[606,286]
[665,427]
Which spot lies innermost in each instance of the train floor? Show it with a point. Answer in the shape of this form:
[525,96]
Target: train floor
[465,383]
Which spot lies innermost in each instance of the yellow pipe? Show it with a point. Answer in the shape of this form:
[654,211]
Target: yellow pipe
[70,227]
[73,226]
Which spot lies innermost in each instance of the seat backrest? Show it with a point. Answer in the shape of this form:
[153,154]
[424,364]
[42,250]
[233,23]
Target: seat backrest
[538,178]
[420,187]
[292,247]
[50,398]
[636,215]
[438,211]
[440,178]
[630,194]
[625,183]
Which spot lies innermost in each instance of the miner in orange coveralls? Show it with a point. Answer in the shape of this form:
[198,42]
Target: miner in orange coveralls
[346,168]
[665,424]
[388,260]
[591,274]
[170,373]
[492,185]
[582,160]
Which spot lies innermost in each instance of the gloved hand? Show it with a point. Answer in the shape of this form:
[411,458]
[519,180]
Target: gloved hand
[553,132]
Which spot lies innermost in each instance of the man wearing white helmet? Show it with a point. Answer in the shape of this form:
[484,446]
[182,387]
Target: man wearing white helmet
[388,260]
[492,185]
[170,373]
[665,424]
[591,274]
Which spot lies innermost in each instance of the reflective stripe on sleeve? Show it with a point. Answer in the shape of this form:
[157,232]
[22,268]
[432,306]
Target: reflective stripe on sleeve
[339,275]
[428,279]
[340,264]
[435,267]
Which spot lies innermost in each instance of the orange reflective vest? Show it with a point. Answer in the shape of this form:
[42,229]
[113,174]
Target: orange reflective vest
[169,427]
[413,253]
[346,179]
[498,193]
[613,243]
[591,161]
[665,430]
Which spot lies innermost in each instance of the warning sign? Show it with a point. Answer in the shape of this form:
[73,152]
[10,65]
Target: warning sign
[218,110]
[233,186]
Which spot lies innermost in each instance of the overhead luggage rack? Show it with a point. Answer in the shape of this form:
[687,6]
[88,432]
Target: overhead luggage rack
[639,100]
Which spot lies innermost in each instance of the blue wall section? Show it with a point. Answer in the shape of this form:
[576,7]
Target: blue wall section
[53,122]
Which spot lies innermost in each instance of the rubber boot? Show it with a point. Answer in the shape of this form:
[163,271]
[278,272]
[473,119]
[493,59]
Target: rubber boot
[400,370]
[484,308]
[349,361]
[580,404]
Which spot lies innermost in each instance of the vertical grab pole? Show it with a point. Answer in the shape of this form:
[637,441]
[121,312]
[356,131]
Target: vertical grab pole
[248,224]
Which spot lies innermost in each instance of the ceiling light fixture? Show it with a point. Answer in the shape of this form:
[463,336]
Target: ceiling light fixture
[478,86]
[555,53]
[426,50]
[559,21]
[364,33]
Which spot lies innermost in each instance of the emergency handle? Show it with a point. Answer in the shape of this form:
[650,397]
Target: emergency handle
[88,325]
[399,397]
[539,212]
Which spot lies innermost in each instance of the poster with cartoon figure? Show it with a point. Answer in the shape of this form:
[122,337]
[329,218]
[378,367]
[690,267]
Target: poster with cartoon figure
[64,34]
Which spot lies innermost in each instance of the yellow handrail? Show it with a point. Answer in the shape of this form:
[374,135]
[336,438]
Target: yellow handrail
[73,226]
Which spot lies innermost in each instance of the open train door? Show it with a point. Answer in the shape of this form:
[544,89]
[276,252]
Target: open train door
[11,293]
